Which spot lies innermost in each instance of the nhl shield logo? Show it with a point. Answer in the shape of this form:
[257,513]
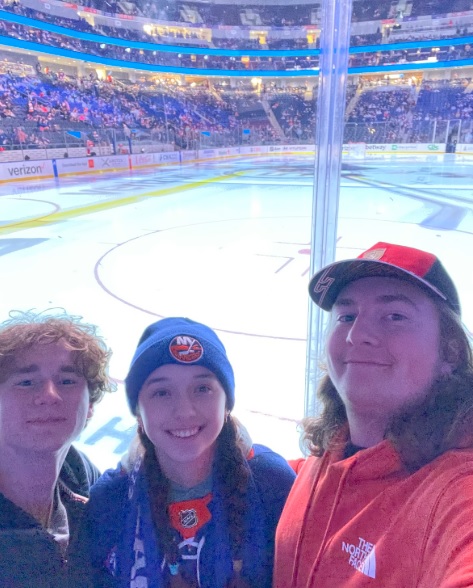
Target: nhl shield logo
[186,349]
[188,518]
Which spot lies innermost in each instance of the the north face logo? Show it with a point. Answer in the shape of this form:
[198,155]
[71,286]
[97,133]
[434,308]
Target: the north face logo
[362,556]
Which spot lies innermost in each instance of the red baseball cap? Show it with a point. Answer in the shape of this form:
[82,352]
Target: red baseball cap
[418,267]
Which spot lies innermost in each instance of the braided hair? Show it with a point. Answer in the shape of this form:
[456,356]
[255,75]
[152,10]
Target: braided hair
[233,476]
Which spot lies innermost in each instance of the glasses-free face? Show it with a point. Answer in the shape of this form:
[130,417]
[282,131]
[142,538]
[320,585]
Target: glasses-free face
[44,402]
[182,411]
[383,349]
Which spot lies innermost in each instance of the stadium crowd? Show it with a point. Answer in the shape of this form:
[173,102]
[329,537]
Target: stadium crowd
[53,102]
[37,108]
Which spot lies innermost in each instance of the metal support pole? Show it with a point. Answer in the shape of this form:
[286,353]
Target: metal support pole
[165,119]
[335,43]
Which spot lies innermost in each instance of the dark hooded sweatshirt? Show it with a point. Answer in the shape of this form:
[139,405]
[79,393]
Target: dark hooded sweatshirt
[29,555]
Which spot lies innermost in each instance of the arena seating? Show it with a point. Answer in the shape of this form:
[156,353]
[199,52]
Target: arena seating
[38,109]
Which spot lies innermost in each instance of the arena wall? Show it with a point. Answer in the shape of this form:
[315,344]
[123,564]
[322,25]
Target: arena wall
[80,166]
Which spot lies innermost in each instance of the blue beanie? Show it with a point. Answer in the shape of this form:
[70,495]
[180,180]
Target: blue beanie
[178,341]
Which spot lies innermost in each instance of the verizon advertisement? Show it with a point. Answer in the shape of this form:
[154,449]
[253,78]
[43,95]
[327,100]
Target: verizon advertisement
[27,170]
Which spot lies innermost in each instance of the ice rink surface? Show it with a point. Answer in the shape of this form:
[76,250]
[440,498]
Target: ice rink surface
[226,243]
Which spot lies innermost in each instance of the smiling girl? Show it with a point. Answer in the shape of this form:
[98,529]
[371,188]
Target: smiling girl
[194,503]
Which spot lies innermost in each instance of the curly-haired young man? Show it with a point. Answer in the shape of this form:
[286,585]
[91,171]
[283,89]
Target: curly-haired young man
[53,369]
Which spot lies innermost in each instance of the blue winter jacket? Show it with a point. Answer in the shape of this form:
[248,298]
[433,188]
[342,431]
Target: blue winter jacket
[109,531]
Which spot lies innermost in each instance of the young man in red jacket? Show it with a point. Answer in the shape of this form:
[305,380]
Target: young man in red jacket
[386,498]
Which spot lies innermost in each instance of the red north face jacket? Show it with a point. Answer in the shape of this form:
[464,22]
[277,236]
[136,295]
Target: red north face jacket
[365,521]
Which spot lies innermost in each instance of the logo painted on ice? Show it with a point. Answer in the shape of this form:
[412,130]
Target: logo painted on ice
[362,556]
[186,349]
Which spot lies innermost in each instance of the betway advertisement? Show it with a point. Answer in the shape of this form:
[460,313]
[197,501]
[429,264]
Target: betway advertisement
[393,148]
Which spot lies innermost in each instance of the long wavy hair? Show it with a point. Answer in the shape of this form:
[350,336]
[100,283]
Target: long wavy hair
[233,474]
[90,353]
[422,431]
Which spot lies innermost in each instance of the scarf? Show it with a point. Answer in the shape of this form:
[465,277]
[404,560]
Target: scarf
[137,559]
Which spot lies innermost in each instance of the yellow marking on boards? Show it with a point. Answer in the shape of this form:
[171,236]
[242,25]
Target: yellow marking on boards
[37,178]
[102,206]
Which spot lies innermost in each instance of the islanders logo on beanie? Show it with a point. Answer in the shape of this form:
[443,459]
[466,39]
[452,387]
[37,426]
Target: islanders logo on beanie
[186,349]
[181,341]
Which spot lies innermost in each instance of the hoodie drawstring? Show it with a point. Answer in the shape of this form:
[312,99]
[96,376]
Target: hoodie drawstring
[335,504]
